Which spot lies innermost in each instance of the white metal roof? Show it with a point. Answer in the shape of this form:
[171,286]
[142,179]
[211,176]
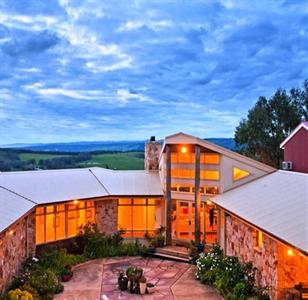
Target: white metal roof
[276,203]
[53,185]
[12,207]
[21,191]
[130,183]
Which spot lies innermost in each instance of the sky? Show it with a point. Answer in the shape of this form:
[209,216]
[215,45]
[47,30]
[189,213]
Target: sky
[74,70]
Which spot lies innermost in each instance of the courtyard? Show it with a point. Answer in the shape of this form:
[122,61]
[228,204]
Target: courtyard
[173,280]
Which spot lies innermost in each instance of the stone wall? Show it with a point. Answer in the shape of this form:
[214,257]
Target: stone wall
[278,268]
[151,156]
[107,215]
[239,242]
[16,243]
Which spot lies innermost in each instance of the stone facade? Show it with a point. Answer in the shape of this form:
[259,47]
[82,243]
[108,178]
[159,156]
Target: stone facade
[16,244]
[151,156]
[107,215]
[277,269]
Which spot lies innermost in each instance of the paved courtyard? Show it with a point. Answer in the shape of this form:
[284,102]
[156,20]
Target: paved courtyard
[173,280]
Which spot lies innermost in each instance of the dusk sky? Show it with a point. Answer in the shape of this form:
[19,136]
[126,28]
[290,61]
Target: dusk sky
[126,70]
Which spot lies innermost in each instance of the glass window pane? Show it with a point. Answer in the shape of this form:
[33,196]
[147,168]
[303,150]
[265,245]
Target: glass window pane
[210,174]
[90,203]
[81,204]
[71,223]
[239,174]
[81,217]
[60,225]
[50,227]
[90,215]
[151,218]
[40,210]
[61,207]
[139,218]
[125,214]
[49,209]
[40,228]
[152,201]
[211,159]
[139,201]
[125,201]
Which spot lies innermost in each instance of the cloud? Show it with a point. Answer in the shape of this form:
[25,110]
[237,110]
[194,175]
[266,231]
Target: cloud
[83,70]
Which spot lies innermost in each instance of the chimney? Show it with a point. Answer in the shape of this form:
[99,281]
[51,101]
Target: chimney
[151,154]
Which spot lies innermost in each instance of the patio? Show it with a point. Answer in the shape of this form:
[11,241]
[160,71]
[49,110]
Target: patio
[173,280]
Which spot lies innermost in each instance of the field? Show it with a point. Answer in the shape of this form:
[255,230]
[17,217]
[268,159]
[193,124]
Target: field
[118,161]
[38,156]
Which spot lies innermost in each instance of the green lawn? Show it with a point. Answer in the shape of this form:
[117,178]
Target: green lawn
[38,156]
[118,161]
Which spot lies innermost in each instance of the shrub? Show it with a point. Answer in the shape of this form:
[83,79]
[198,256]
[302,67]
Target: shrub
[231,278]
[45,282]
[17,294]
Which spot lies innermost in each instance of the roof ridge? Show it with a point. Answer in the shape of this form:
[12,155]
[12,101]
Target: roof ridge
[18,194]
[99,181]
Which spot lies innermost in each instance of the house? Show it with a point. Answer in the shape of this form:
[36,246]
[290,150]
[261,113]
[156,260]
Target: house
[295,149]
[197,190]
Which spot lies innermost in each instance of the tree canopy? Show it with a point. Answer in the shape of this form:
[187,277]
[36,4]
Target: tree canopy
[269,122]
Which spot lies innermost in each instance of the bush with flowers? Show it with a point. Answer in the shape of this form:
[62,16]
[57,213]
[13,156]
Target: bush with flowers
[232,279]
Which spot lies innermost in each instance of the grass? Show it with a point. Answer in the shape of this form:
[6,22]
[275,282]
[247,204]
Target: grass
[38,156]
[118,161]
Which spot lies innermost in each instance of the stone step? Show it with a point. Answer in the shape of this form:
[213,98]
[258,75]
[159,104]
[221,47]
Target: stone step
[172,257]
[173,252]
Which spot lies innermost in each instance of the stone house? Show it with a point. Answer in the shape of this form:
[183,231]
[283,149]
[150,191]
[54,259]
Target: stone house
[197,190]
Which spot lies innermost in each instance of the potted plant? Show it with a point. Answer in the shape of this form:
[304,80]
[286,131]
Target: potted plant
[130,273]
[66,273]
[150,288]
[142,285]
[122,281]
[138,273]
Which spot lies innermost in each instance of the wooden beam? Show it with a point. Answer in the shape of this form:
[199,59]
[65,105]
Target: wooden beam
[168,196]
[197,195]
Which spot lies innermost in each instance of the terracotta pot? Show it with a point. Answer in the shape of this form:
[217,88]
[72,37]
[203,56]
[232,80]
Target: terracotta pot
[151,290]
[143,287]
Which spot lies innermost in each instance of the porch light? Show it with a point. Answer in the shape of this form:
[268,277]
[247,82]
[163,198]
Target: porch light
[290,252]
[11,232]
[208,202]
[184,149]
[75,202]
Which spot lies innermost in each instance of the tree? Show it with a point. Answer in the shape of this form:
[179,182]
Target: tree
[269,122]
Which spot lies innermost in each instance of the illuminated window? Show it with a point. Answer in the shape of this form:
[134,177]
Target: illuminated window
[211,190]
[257,239]
[239,174]
[56,222]
[209,158]
[209,174]
[183,158]
[138,217]
[183,173]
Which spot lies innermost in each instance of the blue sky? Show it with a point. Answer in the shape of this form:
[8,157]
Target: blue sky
[119,70]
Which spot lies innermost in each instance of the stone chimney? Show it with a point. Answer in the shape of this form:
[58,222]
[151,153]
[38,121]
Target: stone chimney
[151,154]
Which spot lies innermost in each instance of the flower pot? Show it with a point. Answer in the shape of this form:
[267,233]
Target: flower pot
[142,287]
[123,283]
[150,288]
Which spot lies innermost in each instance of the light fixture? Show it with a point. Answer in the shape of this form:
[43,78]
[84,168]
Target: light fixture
[75,202]
[290,252]
[11,232]
[184,149]
[208,202]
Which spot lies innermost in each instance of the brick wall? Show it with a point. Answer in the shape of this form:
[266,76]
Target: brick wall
[107,215]
[276,269]
[16,243]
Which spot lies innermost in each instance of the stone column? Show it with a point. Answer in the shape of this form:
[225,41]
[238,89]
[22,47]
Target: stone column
[31,243]
[168,196]
[197,195]
[107,215]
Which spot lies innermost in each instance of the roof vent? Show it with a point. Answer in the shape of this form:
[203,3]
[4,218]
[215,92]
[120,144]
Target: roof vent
[152,139]
[286,165]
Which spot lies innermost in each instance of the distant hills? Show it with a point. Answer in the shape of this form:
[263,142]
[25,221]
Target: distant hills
[122,146]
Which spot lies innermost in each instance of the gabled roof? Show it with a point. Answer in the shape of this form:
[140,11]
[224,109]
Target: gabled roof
[183,138]
[276,203]
[301,125]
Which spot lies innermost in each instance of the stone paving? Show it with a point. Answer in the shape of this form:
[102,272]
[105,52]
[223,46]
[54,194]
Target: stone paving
[173,280]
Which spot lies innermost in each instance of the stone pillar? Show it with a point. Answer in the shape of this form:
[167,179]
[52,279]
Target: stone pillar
[197,195]
[107,215]
[168,196]
[151,155]
[31,244]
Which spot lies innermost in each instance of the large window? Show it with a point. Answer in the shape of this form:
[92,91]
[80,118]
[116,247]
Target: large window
[57,222]
[137,216]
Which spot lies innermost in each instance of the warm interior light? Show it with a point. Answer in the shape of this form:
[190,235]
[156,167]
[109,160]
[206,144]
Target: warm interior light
[209,202]
[290,252]
[76,202]
[184,149]
[11,232]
